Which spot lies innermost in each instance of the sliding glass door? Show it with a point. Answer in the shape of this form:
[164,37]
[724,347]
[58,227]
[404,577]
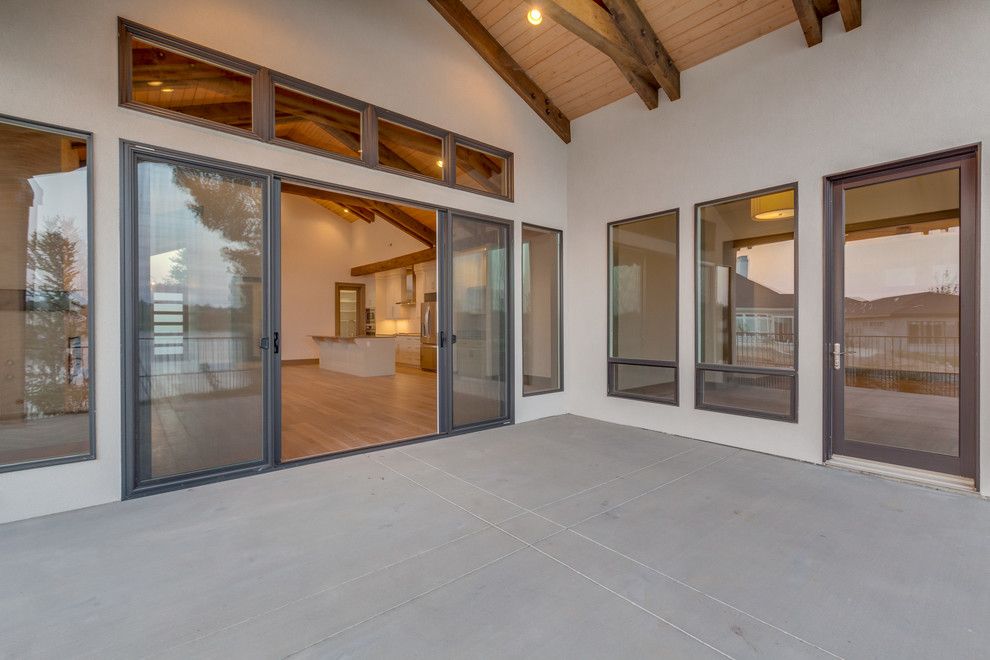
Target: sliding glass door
[480,264]
[196,284]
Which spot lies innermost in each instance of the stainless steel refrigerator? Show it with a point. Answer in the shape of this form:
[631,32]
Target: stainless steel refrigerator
[428,333]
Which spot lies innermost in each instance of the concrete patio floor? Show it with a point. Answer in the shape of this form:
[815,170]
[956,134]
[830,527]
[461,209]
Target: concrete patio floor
[560,538]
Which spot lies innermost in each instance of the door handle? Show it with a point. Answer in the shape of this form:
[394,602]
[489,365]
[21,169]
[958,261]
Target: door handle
[263,343]
[275,341]
[837,354]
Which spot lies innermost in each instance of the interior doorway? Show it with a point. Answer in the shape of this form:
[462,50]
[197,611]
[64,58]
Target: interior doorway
[901,329]
[355,275]
[393,319]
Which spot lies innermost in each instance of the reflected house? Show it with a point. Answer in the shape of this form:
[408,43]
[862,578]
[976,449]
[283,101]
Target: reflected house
[908,343]
[764,328]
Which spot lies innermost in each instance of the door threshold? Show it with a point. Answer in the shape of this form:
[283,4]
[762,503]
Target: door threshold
[937,480]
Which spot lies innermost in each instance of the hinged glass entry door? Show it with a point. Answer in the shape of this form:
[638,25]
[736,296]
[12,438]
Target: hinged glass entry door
[900,354]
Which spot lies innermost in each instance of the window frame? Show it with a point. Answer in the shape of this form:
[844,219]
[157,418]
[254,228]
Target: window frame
[560,308]
[90,455]
[445,137]
[701,367]
[461,141]
[127,31]
[613,362]
[320,94]
[263,81]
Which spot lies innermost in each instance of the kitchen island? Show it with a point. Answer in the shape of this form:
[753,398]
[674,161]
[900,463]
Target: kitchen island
[358,356]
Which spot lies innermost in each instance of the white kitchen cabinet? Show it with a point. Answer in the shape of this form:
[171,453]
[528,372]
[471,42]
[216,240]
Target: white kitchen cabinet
[407,350]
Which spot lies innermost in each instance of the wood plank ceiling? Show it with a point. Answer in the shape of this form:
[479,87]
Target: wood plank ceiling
[578,78]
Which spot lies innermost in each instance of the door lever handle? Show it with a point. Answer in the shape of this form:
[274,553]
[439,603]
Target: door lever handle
[837,354]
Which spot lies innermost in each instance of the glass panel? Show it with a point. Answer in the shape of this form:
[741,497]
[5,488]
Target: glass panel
[756,393]
[317,123]
[644,382]
[746,281]
[44,304]
[480,170]
[348,306]
[541,309]
[643,282]
[173,81]
[480,314]
[902,313]
[199,319]
[409,150]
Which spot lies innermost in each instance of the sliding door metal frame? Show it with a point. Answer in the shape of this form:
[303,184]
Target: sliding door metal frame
[446,254]
[560,306]
[130,155]
[90,454]
[967,160]
[612,362]
[701,367]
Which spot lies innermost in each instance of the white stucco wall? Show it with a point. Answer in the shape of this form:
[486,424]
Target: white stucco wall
[912,80]
[58,64]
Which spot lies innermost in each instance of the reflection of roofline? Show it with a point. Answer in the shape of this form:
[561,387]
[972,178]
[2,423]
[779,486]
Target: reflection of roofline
[922,304]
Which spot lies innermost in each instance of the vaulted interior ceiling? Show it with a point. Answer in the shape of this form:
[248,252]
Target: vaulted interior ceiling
[586,54]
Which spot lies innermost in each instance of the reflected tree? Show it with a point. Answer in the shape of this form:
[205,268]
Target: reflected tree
[56,322]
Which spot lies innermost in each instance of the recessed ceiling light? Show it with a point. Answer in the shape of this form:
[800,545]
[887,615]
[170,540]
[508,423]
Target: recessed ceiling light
[167,90]
[439,163]
[534,16]
[154,83]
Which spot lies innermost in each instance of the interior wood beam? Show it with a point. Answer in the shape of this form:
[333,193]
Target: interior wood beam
[636,28]
[810,20]
[588,21]
[852,13]
[404,261]
[469,27]
[391,213]
[394,215]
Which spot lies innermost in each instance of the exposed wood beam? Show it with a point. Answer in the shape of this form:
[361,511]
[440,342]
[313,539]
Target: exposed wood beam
[587,20]
[404,261]
[391,213]
[852,13]
[810,20]
[640,34]
[399,218]
[469,27]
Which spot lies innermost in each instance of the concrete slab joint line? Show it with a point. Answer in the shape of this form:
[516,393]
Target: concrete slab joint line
[570,529]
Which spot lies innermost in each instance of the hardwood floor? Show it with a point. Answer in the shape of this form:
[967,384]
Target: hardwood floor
[325,411]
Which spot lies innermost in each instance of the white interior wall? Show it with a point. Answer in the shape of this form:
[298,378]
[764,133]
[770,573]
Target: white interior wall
[58,64]
[912,80]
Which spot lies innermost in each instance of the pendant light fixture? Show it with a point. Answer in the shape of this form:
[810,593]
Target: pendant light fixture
[775,206]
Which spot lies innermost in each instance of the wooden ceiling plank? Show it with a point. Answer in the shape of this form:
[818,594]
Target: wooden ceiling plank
[471,29]
[735,34]
[811,21]
[639,33]
[406,260]
[735,39]
[706,22]
[590,22]
[852,13]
